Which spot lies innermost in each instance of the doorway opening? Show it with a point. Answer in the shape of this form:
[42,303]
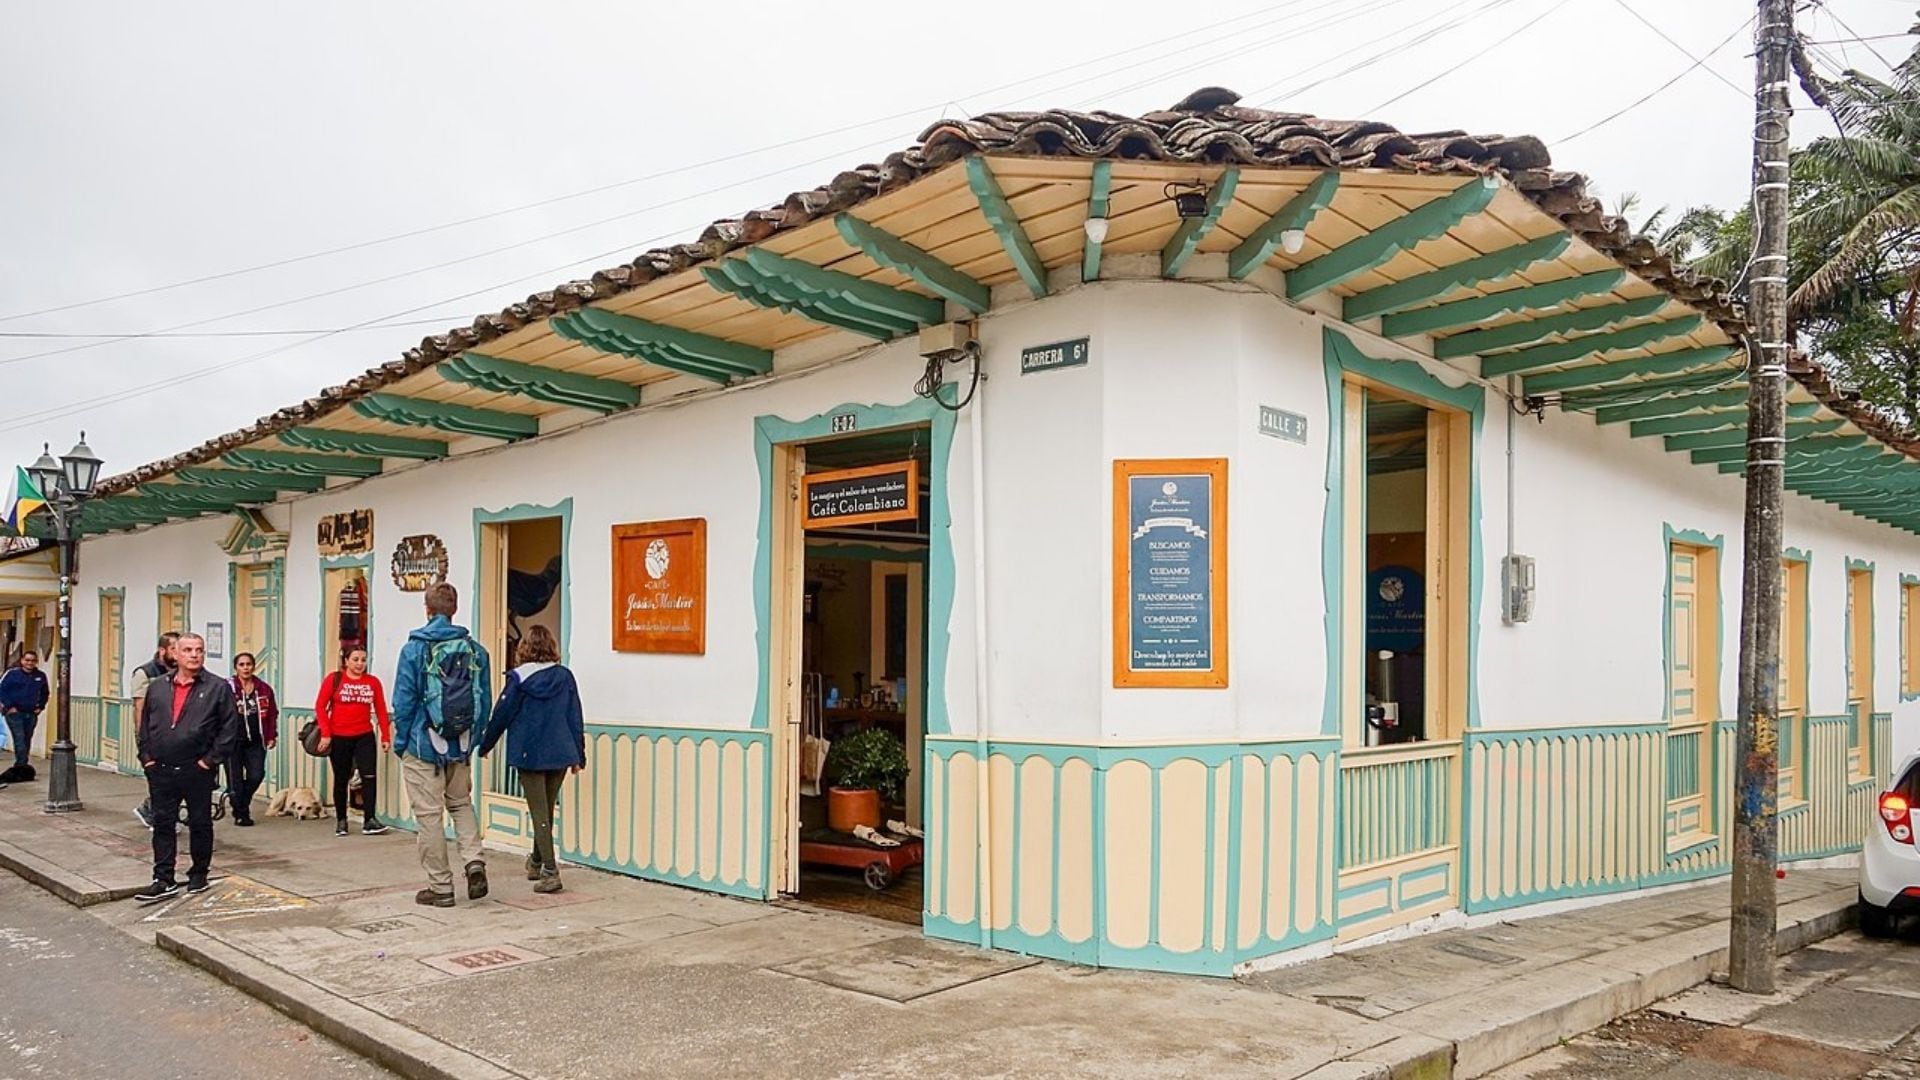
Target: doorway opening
[345,621]
[521,586]
[859,540]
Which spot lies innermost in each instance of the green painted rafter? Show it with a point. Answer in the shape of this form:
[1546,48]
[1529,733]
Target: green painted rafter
[1433,284]
[1633,337]
[1670,406]
[1682,425]
[1186,238]
[1619,371]
[248,480]
[1374,249]
[188,498]
[1708,440]
[446,416]
[1253,252]
[353,442]
[1737,451]
[825,296]
[299,464]
[1530,331]
[664,346]
[1479,309]
[1648,389]
[896,254]
[1099,198]
[540,384]
[1006,225]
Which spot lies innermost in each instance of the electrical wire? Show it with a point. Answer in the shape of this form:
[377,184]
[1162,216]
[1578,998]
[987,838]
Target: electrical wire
[1457,65]
[1684,51]
[1419,39]
[438,321]
[1656,91]
[1272,93]
[1864,42]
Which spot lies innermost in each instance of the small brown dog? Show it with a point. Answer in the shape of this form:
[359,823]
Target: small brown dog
[299,803]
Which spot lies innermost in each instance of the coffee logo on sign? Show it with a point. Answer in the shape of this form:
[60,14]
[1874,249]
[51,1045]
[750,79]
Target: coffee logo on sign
[419,563]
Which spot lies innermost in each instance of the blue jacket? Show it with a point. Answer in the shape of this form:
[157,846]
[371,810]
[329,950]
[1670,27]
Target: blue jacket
[21,691]
[541,706]
[411,737]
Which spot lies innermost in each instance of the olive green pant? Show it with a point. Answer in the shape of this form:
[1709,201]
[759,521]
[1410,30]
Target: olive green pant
[542,788]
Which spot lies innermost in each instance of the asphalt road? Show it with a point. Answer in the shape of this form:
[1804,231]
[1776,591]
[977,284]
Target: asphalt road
[79,999]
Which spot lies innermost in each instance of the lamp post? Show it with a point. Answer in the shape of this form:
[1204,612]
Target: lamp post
[66,485]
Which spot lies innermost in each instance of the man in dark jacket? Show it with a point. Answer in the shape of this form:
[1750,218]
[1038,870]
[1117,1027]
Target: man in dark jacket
[159,666]
[23,696]
[187,729]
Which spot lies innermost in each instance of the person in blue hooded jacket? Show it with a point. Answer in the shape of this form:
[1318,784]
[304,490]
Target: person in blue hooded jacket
[540,713]
[437,769]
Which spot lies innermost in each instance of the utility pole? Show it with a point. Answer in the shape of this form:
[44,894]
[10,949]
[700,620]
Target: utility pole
[1756,829]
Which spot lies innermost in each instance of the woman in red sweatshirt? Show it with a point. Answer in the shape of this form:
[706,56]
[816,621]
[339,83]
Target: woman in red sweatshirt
[349,700]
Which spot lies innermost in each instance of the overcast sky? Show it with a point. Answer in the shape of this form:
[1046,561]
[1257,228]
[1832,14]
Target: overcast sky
[148,144]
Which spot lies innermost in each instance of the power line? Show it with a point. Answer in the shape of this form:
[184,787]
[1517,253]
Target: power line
[125,334]
[1831,14]
[1419,39]
[1656,91]
[1456,66]
[1684,51]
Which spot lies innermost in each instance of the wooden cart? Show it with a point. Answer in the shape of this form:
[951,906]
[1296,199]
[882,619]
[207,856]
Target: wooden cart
[880,866]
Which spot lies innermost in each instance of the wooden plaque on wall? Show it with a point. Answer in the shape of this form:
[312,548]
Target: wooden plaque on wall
[660,587]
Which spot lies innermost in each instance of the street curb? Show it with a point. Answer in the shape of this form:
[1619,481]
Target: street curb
[65,884]
[389,1042]
[1469,1039]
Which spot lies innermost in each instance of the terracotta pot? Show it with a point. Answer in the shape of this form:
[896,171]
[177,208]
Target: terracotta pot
[847,807]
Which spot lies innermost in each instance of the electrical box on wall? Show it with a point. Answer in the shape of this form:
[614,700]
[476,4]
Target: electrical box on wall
[1516,593]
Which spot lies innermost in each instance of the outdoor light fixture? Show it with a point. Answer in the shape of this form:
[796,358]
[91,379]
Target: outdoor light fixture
[1292,240]
[1189,198]
[1096,230]
[47,474]
[66,485]
[81,467]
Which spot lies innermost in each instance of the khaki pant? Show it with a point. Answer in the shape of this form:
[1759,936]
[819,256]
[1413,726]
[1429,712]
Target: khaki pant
[543,791]
[450,789]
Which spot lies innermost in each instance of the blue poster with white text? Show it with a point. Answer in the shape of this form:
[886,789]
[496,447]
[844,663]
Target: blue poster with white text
[1170,579]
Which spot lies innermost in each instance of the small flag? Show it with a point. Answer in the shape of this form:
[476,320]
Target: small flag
[23,498]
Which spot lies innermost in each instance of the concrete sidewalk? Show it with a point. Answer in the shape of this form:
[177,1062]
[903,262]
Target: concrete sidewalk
[621,977]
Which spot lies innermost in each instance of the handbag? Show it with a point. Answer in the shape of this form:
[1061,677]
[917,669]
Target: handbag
[310,731]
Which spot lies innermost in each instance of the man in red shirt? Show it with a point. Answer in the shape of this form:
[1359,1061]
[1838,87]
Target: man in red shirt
[187,729]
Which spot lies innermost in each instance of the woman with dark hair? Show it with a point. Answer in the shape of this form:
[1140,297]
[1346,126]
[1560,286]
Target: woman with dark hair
[259,731]
[541,707]
[348,703]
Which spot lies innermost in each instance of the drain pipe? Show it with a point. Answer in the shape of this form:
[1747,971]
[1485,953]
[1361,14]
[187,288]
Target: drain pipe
[983,835]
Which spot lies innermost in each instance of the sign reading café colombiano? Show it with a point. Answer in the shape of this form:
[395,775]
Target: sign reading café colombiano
[1170,573]
[863,496]
[660,586]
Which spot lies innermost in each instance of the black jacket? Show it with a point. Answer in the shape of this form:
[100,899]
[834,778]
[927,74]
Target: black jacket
[208,728]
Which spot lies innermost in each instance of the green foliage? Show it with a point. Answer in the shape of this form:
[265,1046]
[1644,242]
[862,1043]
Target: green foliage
[869,759]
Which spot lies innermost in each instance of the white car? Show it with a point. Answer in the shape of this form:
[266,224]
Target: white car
[1889,857]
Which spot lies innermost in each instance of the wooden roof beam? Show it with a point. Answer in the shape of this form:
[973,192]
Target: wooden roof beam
[446,416]
[187,498]
[1682,425]
[1186,238]
[1098,199]
[539,383]
[288,461]
[1531,331]
[1373,250]
[248,480]
[1670,406]
[896,254]
[1707,440]
[1294,217]
[664,346]
[370,445]
[1006,225]
[1715,455]
[1619,371]
[825,296]
[1433,284]
[1479,309]
[1633,337]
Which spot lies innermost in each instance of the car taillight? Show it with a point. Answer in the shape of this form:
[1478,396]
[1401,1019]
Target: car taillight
[1895,812]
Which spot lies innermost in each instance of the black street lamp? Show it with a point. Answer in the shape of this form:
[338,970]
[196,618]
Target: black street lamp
[65,484]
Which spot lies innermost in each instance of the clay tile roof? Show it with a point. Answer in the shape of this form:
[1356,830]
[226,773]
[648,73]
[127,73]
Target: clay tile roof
[1207,126]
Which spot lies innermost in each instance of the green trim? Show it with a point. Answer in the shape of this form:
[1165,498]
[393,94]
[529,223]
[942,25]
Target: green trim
[1097,206]
[1670,406]
[267,657]
[299,464]
[528,512]
[540,384]
[1908,670]
[185,592]
[1374,249]
[1479,309]
[828,297]
[248,481]
[1187,236]
[1341,355]
[446,416]
[330,664]
[1433,284]
[670,347]
[1707,440]
[1712,421]
[1683,361]
[176,498]
[1804,558]
[353,442]
[896,254]
[1299,211]
[1736,450]
[1695,538]
[1633,337]
[769,431]
[1530,331]
[1006,225]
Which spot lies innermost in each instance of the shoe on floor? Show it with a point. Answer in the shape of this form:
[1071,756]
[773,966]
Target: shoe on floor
[198,884]
[144,814]
[244,822]
[374,828]
[533,868]
[549,882]
[340,828]
[430,898]
[476,879]
[158,891]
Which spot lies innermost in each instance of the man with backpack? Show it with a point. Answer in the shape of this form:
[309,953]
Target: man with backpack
[442,695]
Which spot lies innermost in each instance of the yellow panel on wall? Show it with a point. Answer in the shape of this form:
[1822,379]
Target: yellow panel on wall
[1129,848]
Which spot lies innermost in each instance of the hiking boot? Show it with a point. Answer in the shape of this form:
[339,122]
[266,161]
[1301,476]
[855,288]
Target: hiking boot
[476,879]
[340,827]
[549,881]
[429,898]
[158,891]
[374,828]
[533,868]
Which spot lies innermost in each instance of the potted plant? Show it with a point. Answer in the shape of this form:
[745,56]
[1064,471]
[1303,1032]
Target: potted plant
[864,769]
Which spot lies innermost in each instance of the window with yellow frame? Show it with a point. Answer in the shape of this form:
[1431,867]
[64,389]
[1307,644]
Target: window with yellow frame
[1909,637]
